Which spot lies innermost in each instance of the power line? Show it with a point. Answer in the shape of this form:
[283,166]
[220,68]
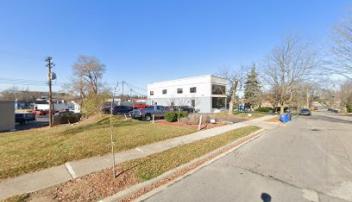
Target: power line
[25,82]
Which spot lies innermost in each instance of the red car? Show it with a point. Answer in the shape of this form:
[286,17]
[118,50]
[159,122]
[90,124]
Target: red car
[140,106]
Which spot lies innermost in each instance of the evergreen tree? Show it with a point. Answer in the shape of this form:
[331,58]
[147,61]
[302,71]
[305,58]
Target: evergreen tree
[252,89]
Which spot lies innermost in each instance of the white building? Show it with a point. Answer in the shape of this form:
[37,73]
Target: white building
[58,105]
[205,93]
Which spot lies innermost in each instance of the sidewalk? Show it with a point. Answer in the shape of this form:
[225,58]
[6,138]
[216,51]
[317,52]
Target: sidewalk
[55,175]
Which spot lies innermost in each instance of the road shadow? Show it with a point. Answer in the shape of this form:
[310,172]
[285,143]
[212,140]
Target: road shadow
[330,119]
[265,197]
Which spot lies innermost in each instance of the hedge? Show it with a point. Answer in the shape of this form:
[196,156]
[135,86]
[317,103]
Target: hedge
[264,109]
[349,108]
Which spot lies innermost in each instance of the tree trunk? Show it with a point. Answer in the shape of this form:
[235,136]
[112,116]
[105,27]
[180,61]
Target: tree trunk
[233,96]
[282,107]
[307,97]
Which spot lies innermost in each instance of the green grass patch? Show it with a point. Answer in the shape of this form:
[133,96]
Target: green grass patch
[26,151]
[246,115]
[18,198]
[156,164]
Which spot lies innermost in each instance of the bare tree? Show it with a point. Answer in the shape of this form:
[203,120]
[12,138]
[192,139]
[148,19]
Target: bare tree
[87,83]
[342,49]
[88,72]
[345,95]
[234,78]
[287,65]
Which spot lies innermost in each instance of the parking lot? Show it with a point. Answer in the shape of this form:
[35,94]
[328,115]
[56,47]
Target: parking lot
[40,121]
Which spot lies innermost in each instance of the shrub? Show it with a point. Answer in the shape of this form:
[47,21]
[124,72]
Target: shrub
[264,109]
[92,103]
[349,108]
[67,117]
[173,116]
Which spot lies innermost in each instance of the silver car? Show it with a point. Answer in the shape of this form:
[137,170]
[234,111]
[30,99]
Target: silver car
[148,112]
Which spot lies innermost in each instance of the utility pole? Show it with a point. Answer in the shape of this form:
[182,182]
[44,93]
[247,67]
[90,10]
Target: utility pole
[50,78]
[122,90]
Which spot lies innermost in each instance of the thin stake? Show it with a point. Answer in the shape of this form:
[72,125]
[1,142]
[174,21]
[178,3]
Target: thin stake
[111,134]
[112,143]
[200,122]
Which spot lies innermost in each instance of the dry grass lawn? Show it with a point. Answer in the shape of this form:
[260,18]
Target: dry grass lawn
[99,185]
[26,151]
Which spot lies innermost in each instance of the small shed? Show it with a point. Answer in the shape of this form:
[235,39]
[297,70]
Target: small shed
[7,115]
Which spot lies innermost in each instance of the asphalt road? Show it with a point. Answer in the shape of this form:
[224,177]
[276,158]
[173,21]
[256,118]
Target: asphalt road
[309,159]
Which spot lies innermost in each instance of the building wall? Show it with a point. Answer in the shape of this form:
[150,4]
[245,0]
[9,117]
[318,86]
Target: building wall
[7,115]
[202,104]
[202,96]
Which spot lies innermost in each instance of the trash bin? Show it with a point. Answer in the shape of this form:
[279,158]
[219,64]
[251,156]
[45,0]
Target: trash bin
[284,118]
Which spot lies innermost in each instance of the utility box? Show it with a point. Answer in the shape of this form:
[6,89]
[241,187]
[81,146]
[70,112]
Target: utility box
[7,115]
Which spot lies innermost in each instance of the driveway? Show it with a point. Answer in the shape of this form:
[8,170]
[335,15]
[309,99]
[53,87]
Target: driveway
[307,160]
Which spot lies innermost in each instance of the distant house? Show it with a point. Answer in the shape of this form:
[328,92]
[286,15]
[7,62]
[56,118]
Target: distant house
[205,94]
[7,115]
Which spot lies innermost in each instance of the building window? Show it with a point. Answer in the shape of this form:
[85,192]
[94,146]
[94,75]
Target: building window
[179,91]
[218,89]
[151,92]
[164,92]
[193,90]
[193,102]
[218,102]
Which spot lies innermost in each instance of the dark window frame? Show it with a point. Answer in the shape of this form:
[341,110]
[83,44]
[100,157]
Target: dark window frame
[151,92]
[193,89]
[217,89]
[179,90]
[218,102]
[164,91]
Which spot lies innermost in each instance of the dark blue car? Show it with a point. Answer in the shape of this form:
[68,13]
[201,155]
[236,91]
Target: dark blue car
[305,112]
[122,109]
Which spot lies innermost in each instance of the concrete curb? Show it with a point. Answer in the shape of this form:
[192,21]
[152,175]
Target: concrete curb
[138,187]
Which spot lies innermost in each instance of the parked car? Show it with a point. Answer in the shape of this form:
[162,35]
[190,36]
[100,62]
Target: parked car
[23,118]
[122,109]
[106,107]
[140,106]
[66,116]
[305,112]
[187,109]
[148,112]
[333,110]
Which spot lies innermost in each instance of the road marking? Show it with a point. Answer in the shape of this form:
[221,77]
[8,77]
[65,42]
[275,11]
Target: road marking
[138,149]
[310,195]
[70,170]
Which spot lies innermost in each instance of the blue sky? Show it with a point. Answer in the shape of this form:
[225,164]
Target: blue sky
[141,41]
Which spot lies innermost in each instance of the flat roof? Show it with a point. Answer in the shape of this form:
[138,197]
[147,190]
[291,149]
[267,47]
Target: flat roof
[188,77]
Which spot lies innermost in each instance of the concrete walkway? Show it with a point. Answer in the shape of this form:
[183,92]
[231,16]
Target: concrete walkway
[55,175]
